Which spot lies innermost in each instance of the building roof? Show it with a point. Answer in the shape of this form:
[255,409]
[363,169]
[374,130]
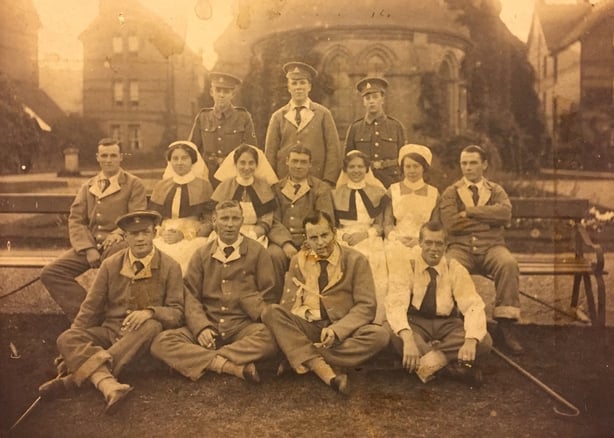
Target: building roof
[563,24]
[40,103]
[273,17]
[159,32]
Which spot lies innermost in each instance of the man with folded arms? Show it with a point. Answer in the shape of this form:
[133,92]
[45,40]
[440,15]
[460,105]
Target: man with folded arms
[325,316]
[229,281]
[137,293]
[424,297]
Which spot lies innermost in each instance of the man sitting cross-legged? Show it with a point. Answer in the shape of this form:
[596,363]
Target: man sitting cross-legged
[423,297]
[228,282]
[137,293]
[328,304]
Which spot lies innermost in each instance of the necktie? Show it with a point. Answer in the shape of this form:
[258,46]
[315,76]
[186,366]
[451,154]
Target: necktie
[429,303]
[104,184]
[297,117]
[138,266]
[474,194]
[228,250]
[322,282]
[297,187]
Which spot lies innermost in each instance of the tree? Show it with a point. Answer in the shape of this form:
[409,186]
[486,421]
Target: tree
[21,136]
[78,132]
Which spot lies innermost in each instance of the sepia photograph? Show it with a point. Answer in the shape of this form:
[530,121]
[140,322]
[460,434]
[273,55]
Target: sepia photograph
[284,218]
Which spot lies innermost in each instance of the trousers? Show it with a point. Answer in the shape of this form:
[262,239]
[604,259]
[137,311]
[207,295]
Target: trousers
[180,349]
[296,336]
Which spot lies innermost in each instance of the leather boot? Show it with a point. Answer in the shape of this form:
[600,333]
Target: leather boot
[507,336]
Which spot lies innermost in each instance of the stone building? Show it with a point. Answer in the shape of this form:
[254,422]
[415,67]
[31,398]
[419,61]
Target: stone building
[403,41]
[140,81]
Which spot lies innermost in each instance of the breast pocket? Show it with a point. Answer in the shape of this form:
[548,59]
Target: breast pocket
[363,142]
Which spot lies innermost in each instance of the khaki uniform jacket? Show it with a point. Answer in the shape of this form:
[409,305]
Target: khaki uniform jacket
[317,132]
[483,227]
[349,297]
[116,291]
[92,214]
[227,295]
[288,220]
[216,137]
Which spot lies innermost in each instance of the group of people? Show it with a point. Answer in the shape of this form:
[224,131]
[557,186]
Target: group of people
[314,254]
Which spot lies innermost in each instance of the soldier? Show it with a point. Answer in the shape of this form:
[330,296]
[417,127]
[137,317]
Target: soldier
[302,121]
[219,130]
[377,135]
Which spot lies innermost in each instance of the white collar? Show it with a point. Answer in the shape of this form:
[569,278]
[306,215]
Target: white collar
[356,185]
[245,182]
[145,260]
[413,185]
[184,179]
[478,184]
[307,104]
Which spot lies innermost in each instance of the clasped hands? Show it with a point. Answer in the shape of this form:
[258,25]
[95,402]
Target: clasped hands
[327,338]
[135,319]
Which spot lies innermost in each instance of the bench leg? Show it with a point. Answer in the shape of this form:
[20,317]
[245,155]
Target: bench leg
[575,296]
[590,299]
[600,300]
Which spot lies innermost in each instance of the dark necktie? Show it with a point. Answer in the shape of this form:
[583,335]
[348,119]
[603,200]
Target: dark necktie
[228,250]
[429,303]
[322,282]
[138,266]
[297,187]
[104,184]
[323,278]
[297,116]
[474,194]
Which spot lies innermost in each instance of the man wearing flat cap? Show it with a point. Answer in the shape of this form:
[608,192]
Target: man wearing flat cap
[92,230]
[137,293]
[306,123]
[219,130]
[377,135]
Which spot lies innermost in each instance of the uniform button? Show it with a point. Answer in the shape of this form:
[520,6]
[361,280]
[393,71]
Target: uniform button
[234,131]
[362,139]
[298,141]
[291,205]
[376,144]
[219,126]
[376,132]
[375,123]
[473,238]
[376,155]
[224,308]
[99,226]
[219,139]
[225,265]
[291,218]
[98,202]
[98,215]
[475,248]
[98,236]
[224,281]
[390,139]
[222,320]
[223,334]
[219,151]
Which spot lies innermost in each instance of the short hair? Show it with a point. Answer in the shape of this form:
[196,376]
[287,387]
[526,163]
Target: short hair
[315,216]
[108,141]
[478,149]
[355,154]
[243,148]
[433,226]
[191,152]
[229,203]
[300,149]
[417,158]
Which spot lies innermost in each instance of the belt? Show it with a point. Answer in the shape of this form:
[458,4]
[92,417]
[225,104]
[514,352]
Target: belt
[383,164]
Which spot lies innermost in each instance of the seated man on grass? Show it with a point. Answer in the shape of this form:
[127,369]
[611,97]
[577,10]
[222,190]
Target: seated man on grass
[424,297]
[137,293]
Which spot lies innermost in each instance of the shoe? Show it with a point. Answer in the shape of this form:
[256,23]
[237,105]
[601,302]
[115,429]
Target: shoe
[341,384]
[115,398]
[53,389]
[250,374]
[466,372]
[508,339]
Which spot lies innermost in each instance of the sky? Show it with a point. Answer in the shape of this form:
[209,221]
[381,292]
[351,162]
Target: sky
[63,21]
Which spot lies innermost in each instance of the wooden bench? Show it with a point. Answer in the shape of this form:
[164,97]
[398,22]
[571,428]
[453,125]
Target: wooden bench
[548,238]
